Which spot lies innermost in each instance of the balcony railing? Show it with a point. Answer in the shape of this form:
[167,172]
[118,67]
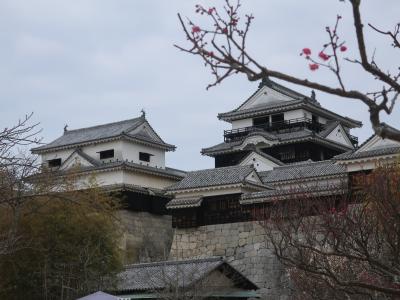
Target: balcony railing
[282,126]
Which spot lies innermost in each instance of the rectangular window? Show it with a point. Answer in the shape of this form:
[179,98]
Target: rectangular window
[262,121]
[107,154]
[143,156]
[314,119]
[52,163]
[278,118]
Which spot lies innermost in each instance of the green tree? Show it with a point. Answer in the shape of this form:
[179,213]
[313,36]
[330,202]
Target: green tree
[68,247]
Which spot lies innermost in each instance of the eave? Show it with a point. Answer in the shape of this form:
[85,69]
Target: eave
[166,147]
[302,104]
[367,159]
[246,184]
[124,166]
[315,138]
[291,194]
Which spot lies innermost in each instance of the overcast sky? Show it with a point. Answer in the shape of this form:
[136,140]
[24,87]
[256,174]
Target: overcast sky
[84,63]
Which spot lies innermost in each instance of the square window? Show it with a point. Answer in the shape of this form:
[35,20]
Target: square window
[262,121]
[278,118]
[52,163]
[143,156]
[107,154]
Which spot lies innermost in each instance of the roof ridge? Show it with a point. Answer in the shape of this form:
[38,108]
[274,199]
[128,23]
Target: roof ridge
[304,163]
[221,168]
[176,262]
[103,125]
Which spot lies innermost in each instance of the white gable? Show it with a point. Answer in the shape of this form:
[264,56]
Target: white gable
[75,160]
[339,135]
[145,128]
[265,95]
[257,140]
[253,177]
[260,162]
[376,143]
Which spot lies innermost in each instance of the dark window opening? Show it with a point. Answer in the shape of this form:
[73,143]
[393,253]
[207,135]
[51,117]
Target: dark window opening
[54,162]
[314,119]
[143,156]
[278,118]
[262,121]
[106,154]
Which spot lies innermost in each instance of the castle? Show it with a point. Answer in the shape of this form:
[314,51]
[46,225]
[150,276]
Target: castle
[279,140]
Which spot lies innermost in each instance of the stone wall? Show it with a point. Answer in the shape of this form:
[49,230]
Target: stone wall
[146,237]
[244,245]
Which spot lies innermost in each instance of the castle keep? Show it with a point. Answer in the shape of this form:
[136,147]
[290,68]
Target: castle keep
[281,142]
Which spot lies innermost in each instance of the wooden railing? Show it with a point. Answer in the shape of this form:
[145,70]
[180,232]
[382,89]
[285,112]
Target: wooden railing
[239,133]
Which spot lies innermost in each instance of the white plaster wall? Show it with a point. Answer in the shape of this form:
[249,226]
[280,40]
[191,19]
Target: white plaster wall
[130,151]
[242,123]
[338,135]
[260,163]
[93,150]
[106,178]
[294,114]
[147,180]
[123,150]
[378,142]
[126,177]
[73,161]
[265,95]
[63,154]
[257,141]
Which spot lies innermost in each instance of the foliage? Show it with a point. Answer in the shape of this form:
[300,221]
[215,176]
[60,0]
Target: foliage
[70,247]
[58,238]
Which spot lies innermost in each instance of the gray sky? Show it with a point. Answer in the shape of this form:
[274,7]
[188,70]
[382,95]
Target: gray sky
[91,62]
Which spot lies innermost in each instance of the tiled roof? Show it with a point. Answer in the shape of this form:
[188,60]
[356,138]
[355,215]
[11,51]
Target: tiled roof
[167,172]
[99,296]
[83,136]
[283,194]
[266,156]
[282,138]
[263,108]
[302,170]
[214,177]
[369,153]
[134,188]
[329,128]
[299,101]
[185,202]
[178,274]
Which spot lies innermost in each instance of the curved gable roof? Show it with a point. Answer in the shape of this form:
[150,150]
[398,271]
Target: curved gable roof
[88,135]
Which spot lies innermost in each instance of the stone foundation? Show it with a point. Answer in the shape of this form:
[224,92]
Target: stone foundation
[244,245]
[146,237]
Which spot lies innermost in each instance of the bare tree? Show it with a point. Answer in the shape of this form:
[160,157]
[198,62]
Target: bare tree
[342,247]
[222,45]
[57,237]
[15,166]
